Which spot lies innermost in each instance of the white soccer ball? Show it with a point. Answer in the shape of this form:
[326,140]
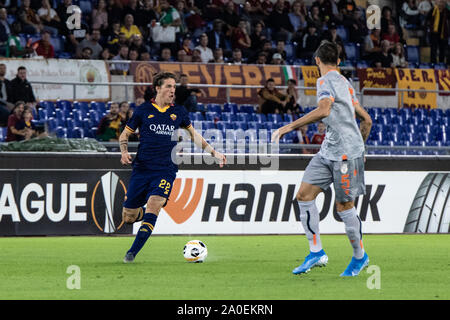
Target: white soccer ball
[195,251]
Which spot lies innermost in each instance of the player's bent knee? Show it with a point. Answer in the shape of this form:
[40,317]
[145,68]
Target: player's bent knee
[130,216]
[343,206]
[307,192]
[155,204]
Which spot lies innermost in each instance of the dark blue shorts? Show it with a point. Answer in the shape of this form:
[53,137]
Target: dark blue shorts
[144,184]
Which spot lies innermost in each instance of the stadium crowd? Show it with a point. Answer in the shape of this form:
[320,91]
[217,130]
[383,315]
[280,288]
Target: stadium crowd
[254,31]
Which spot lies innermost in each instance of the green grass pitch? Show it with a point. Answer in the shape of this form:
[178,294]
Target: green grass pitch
[237,267]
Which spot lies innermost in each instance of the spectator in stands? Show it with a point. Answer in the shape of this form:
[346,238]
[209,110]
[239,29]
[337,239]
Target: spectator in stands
[398,56]
[120,68]
[424,7]
[237,57]
[105,55]
[309,44]
[319,136]
[86,54]
[292,105]
[332,36]
[216,37]
[5,29]
[230,17]
[439,24]
[109,125]
[125,112]
[386,19]
[372,44]
[383,59]
[267,8]
[61,11]
[137,43]
[166,55]
[348,5]
[169,15]
[280,23]
[186,45]
[5,106]
[277,59]
[183,57]
[13,119]
[392,36]
[262,58]
[49,17]
[218,56]
[314,19]
[196,55]
[21,89]
[14,47]
[206,53]
[281,49]
[115,44]
[92,42]
[76,36]
[100,17]
[187,97]
[25,127]
[409,15]
[146,15]
[297,18]
[357,27]
[302,138]
[270,99]
[133,54]
[43,47]
[131,7]
[129,28]
[115,10]
[257,36]
[31,23]
[240,38]
[181,8]
[267,49]
[325,9]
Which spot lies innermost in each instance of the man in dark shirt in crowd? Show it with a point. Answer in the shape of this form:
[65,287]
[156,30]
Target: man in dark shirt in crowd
[383,59]
[21,90]
[186,97]
[5,106]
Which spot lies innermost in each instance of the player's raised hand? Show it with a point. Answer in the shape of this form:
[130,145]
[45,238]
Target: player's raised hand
[221,157]
[126,158]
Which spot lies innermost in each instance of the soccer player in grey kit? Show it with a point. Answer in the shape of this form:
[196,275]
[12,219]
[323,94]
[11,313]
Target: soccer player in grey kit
[340,160]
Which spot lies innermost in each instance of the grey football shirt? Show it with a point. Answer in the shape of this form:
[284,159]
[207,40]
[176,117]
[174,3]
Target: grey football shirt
[343,137]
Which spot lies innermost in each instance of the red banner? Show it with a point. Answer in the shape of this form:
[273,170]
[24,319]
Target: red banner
[218,74]
[377,78]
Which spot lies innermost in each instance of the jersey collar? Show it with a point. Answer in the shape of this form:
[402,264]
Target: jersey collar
[160,109]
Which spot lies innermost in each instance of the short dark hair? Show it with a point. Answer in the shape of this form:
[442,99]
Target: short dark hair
[159,78]
[327,52]
[21,68]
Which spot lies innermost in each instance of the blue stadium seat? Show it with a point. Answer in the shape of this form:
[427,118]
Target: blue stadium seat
[247,117]
[274,118]
[212,116]
[207,125]
[75,133]
[342,32]
[64,104]
[413,54]
[247,108]
[58,43]
[224,125]
[196,116]
[352,51]
[214,107]
[98,106]
[290,50]
[260,117]
[82,106]
[230,107]
[61,132]
[240,125]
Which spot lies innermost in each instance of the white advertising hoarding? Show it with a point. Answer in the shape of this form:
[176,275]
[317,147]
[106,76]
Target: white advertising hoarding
[256,202]
[63,70]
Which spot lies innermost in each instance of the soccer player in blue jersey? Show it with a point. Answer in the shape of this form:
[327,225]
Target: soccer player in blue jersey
[153,169]
[340,160]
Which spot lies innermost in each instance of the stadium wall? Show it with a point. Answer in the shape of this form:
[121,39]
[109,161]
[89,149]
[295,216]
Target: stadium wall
[82,194]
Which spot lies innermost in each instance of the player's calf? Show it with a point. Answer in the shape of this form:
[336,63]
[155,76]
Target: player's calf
[130,215]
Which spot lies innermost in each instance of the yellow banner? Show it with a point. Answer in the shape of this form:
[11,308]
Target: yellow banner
[310,76]
[416,79]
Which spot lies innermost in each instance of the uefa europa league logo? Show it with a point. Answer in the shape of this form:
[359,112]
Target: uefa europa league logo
[109,185]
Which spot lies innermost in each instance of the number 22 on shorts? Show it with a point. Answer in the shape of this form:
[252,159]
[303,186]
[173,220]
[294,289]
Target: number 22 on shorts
[165,185]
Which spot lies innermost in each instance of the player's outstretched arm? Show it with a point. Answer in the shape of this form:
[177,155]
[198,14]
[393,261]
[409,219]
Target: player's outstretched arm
[366,122]
[322,111]
[201,142]
[123,143]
